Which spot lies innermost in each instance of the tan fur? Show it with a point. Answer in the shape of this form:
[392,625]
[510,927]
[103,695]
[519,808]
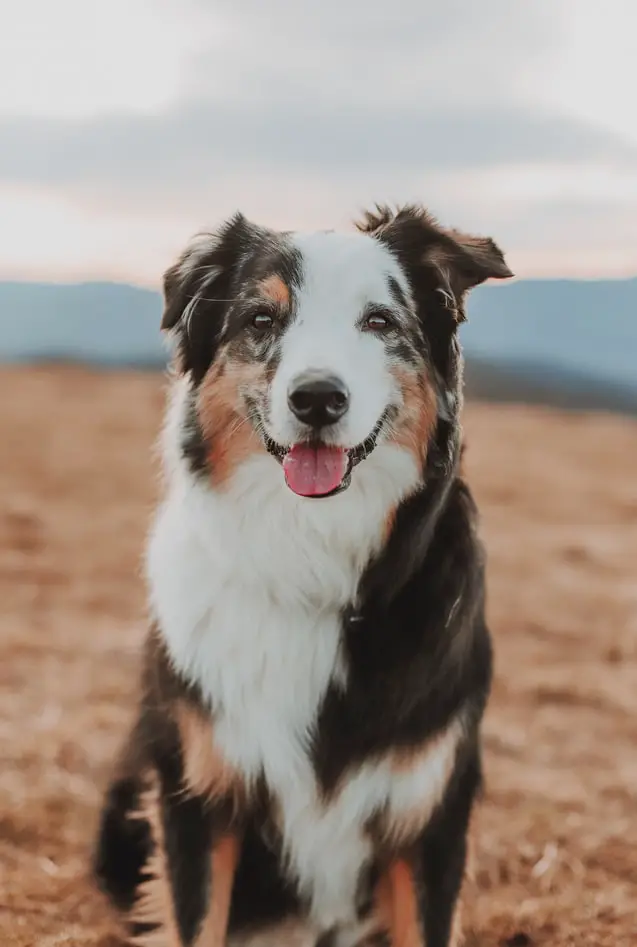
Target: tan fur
[403,760]
[416,421]
[405,827]
[388,526]
[396,908]
[155,902]
[397,905]
[230,436]
[274,289]
[206,772]
[223,863]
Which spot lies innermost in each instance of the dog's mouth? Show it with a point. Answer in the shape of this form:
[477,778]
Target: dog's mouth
[315,469]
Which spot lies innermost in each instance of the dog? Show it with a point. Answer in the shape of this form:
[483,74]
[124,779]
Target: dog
[307,740]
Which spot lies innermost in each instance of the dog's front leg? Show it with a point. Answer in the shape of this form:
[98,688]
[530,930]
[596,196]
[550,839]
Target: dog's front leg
[400,904]
[443,856]
[418,891]
[184,899]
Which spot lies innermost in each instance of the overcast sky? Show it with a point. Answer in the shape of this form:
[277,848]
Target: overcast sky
[125,125]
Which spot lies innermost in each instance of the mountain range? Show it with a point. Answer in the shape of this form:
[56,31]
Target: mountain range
[566,342]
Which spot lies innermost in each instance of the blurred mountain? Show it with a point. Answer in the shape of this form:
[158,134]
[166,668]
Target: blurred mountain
[588,327]
[566,342]
[98,323]
[569,343]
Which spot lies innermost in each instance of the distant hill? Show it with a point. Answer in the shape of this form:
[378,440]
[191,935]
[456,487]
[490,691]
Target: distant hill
[567,342]
[586,327]
[99,323]
[537,383]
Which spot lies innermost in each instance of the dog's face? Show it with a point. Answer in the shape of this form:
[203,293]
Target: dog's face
[317,347]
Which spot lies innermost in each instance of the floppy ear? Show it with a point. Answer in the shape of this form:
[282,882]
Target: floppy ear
[185,280]
[208,259]
[197,291]
[457,261]
[465,261]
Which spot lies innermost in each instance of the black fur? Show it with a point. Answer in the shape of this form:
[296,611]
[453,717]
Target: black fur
[215,281]
[416,643]
[442,849]
[421,658]
[126,843]
[209,298]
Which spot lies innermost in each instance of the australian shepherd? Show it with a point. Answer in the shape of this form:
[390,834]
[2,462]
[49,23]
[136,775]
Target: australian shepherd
[307,739]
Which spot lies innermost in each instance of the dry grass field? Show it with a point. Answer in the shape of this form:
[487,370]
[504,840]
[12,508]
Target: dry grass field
[556,837]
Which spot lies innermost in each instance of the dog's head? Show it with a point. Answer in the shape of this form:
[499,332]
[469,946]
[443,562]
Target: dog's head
[317,347]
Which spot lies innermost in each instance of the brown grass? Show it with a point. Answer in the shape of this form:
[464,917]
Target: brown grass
[556,839]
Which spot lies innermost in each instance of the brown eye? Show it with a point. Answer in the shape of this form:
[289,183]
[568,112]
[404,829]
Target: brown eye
[377,322]
[262,321]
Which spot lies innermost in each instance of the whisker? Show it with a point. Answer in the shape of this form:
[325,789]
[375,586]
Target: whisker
[213,299]
[240,422]
[188,313]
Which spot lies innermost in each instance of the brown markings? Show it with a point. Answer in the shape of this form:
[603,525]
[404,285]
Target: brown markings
[438,758]
[223,864]
[396,894]
[206,772]
[230,436]
[416,421]
[397,908]
[274,289]
[397,905]
[154,903]
[443,745]
[388,525]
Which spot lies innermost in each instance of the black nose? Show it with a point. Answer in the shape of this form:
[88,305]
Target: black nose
[318,401]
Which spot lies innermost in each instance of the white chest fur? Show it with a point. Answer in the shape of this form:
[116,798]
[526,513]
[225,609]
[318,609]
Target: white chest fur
[248,587]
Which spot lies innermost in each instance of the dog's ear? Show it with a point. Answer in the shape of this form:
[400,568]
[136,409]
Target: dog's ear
[198,288]
[465,261]
[208,259]
[459,261]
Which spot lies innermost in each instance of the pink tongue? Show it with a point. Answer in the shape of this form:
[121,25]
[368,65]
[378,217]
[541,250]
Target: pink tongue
[313,471]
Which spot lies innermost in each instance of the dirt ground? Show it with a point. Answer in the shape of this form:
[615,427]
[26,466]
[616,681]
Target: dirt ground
[556,838]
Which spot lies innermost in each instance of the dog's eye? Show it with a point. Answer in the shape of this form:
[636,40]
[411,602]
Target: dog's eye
[262,320]
[377,322]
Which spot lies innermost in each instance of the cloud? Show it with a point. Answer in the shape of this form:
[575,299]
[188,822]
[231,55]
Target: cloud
[183,149]
[330,90]
[334,91]
[300,113]
[577,238]
[371,53]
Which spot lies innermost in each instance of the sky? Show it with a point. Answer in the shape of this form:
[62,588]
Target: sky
[128,125]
